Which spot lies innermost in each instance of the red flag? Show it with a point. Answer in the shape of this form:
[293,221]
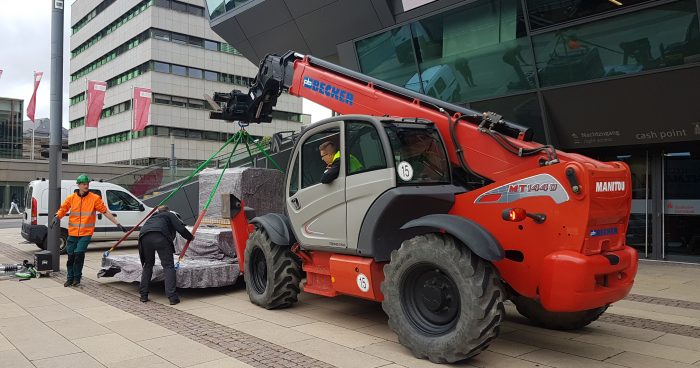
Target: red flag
[142,107]
[32,103]
[95,102]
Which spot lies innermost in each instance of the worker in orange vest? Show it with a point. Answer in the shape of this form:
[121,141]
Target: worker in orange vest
[81,225]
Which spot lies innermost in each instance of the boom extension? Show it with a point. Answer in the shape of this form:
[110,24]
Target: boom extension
[275,76]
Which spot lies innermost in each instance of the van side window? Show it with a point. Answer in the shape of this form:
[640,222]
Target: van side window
[121,201]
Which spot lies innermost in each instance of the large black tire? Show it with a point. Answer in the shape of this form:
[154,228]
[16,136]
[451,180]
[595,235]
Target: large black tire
[272,274]
[534,311]
[444,302]
[62,242]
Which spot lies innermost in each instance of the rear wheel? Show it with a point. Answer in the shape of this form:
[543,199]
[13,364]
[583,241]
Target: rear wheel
[444,302]
[534,311]
[272,274]
[62,242]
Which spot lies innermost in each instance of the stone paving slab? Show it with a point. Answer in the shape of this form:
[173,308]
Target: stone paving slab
[653,327]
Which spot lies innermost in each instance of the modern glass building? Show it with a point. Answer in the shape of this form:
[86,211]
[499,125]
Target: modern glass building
[11,113]
[615,80]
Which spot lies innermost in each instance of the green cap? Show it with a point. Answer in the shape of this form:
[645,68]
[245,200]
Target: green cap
[82,179]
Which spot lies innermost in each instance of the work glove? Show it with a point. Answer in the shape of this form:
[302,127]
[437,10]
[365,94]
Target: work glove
[122,228]
[54,222]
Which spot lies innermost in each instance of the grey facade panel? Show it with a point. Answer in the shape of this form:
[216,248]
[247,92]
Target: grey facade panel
[347,56]
[263,17]
[324,28]
[279,40]
[625,111]
[230,30]
[299,8]
[384,12]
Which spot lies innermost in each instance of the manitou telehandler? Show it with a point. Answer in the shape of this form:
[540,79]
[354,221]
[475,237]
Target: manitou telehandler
[438,212]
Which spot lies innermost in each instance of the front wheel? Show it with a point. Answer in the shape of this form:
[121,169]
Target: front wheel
[271,272]
[534,311]
[444,302]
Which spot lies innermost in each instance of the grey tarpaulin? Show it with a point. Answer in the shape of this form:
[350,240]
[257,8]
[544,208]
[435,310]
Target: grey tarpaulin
[193,273]
[260,189]
[210,261]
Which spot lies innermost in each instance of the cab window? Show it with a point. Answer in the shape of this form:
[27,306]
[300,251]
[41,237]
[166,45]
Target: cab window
[364,148]
[419,155]
[121,201]
[294,179]
[312,164]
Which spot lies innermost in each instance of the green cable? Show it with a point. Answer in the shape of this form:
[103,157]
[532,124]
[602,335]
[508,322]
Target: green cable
[228,162]
[197,170]
[268,156]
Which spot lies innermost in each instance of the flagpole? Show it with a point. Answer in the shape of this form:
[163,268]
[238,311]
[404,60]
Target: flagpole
[97,143]
[131,139]
[33,122]
[85,123]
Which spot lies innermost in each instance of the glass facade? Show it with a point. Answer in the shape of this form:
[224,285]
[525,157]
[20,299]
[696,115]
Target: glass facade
[11,112]
[484,54]
[219,7]
[649,39]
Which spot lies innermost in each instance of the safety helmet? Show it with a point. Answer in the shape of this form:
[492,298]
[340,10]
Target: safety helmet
[82,179]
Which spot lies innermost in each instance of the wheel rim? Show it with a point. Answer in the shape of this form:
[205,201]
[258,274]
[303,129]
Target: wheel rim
[430,299]
[258,271]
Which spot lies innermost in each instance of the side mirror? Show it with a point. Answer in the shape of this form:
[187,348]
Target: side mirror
[141,207]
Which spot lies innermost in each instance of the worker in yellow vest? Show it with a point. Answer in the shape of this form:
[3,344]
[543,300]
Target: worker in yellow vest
[81,225]
[331,156]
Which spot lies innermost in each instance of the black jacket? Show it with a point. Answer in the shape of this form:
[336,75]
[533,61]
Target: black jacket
[331,172]
[165,223]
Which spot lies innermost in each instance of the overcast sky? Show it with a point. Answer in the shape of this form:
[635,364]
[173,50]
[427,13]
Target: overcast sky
[25,47]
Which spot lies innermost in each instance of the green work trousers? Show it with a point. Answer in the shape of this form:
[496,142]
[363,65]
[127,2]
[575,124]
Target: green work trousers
[76,247]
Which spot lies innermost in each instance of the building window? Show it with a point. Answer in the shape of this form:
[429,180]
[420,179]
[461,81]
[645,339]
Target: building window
[211,45]
[543,13]
[161,99]
[179,70]
[160,34]
[212,76]
[180,38]
[179,101]
[389,56]
[195,104]
[195,73]
[622,45]
[178,6]
[196,41]
[161,67]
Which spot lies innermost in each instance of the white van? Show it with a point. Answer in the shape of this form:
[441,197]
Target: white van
[127,208]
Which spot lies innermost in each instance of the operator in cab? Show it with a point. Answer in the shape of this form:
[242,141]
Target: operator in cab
[331,156]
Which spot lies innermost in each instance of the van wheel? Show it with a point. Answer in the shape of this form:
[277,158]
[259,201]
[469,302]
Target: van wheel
[62,242]
[444,303]
[271,272]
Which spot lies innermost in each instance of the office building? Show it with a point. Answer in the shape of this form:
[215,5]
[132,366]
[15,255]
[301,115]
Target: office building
[167,46]
[614,80]
[11,112]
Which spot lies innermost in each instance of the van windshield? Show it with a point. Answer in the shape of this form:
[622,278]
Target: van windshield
[419,155]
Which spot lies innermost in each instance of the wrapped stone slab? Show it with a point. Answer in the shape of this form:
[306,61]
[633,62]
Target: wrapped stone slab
[192,273]
[260,189]
[210,242]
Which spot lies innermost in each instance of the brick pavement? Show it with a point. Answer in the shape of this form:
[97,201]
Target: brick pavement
[651,328]
[248,349]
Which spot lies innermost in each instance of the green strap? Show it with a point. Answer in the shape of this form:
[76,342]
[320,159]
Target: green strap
[228,162]
[268,156]
[197,170]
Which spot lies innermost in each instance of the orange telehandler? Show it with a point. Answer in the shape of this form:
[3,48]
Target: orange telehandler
[436,211]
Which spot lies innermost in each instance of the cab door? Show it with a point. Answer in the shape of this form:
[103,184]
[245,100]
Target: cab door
[317,211]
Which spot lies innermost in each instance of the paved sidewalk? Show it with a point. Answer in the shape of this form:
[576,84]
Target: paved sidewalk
[103,324]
